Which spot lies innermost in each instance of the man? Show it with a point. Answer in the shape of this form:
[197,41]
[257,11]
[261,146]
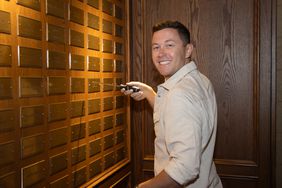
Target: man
[185,113]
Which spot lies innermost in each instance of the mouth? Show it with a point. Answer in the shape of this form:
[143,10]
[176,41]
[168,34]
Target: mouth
[164,62]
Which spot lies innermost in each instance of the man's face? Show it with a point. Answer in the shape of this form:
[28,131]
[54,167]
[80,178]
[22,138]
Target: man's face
[168,52]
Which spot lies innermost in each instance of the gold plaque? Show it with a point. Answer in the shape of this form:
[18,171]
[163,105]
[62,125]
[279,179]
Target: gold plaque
[118,30]
[8,120]
[9,180]
[119,119]
[108,122]
[78,131]
[58,137]
[95,147]
[93,64]
[108,65]
[76,15]
[6,91]
[29,28]
[56,60]
[109,160]
[108,84]
[94,106]
[33,4]
[93,43]
[78,154]
[79,177]
[7,153]
[93,3]
[33,174]
[76,39]
[94,126]
[31,87]
[77,85]
[120,136]
[108,141]
[107,27]
[56,34]
[62,182]
[107,7]
[108,103]
[6,55]
[32,116]
[95,168]
[57,111]
[118,12]
[119,48]
[93,21]
[93,85]
[58,163]
[119,101]
[56,8]
[30,57]
[119,67]
[77,62]
[107,46]
[77,109]
[5,26]
[120,154]
[57,85]
[32,145]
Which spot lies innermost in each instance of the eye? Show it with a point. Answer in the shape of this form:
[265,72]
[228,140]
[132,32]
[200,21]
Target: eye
[155,47]
[169,45]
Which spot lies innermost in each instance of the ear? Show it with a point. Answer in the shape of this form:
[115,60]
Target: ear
[189,48]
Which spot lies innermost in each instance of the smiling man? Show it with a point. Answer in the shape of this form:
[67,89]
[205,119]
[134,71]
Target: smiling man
[185,113]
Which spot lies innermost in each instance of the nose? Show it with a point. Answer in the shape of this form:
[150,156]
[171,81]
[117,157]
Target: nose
[161,51]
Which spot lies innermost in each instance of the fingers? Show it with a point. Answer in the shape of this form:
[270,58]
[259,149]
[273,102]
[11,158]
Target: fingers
[137,96]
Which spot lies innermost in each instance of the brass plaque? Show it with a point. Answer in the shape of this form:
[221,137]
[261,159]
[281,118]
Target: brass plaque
[76,39]
[93,85]
[62,182]
[79,177]
[5,54]
[56,34]
[95,168]
[93,3]
[119,67]
[119,119]
[107,27]
[5,26]
[93,21]
[57,85]
[119,48]
[93,43]
[78,154]
[109,160]
[107,7]
[30,57]
[94,126]
[33,4]
[108,84]
[56,60]
[9,180]
[108,103]
[31,87]
[77,85]
[108,141]
[95,147]
[30,28]
[93,64]
[33,174]
[6,91]
[108,65]
[77,109]
[120,137]
[94,106]
[32,116]
[119,101]
[8,120]
[77,62]
[56,8]
[108,122]
[118,12]
[58,137]
[120,154]
[58,163]
[76,15]
[118,30]
[57,112]
[107,46]
[78,131]
[32,145]
[7,153]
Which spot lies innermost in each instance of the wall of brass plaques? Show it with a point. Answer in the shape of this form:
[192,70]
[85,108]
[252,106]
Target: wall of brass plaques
[63,123]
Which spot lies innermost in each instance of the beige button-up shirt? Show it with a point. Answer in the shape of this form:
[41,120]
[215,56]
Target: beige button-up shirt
[185,120]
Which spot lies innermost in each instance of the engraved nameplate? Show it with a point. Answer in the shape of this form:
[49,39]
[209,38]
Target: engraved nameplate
[77,62]
[93,43]
[95,147]
[32,145]
[7,153]
[120,137]
[109,160]
[119,119]
[93,85]
[6,55]
[108,103]
[57,112]
[108,122]
[119,48]
[95,168]
[33,4]
[58,163]
[107,46]
[118,12]
[120,154]
[119,101]
[9,180]
[108,65]
[118,30]
[56,34]
[58,137]
[119,67]
[93,21]
[107,27]
[62,182]
[33,174]
[30,57]
[76,39]
[77,85]
[78,131]
[78,154]
[32,116]
[6,88]
[77,109]
[76,15]
[94,106]
[108,84]
[5,26]
[107,7]
[94,126]
[7,120]
[93,64]
[108,141]
[31,87]
[93,3]
[56,8]
[79,177]
[56,60]
[29,28]
[57,85]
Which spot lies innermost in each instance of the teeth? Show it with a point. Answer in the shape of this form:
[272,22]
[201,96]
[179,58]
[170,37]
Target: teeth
[164,62]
